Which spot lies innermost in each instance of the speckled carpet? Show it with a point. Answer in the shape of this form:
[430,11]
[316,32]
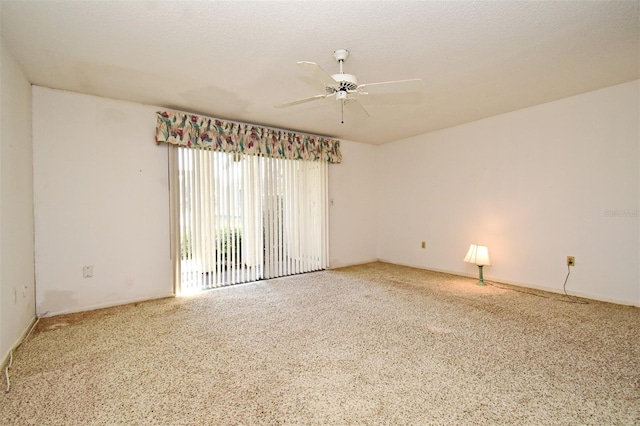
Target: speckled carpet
[371,344]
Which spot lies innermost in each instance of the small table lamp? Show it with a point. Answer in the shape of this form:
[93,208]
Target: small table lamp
[480,256]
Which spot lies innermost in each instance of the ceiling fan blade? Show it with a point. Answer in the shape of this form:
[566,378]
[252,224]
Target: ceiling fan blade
[317,72]
[412,85]
[300,101]
[353,101]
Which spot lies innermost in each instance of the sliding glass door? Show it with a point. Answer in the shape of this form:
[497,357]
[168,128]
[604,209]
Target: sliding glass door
[240,218]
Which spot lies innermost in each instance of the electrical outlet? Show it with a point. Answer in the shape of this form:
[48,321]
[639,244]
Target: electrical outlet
[571,261]
[424,244]
[87,271]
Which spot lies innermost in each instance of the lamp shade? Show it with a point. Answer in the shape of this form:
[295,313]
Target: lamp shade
[478,255]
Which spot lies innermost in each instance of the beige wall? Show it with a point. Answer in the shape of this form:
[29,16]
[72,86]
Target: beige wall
[17,289]
[534,185]
[101,200]
[352,215]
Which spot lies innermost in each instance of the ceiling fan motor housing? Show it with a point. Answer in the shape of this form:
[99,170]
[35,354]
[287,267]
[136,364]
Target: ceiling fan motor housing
[346,82]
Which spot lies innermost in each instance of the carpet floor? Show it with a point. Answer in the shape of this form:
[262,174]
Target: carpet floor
[370,344]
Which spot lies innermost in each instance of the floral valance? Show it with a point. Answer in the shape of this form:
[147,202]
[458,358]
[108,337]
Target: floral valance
[226,136]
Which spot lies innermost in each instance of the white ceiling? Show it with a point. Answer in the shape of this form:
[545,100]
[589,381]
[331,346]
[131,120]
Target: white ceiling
[234,60]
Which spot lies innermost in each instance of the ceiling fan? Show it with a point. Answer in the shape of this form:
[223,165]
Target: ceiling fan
[345,88]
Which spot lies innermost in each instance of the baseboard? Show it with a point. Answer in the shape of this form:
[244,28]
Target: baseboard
[24,334]
[346,265]
[521,285]
[104,305]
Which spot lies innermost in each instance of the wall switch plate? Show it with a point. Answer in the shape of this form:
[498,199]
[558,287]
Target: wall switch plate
[87,271]
[424,244]
[571,261]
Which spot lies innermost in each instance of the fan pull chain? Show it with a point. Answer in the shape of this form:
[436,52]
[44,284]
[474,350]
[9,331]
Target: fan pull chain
[342,112]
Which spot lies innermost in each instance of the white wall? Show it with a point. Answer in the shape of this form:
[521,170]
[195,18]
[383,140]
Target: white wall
[17,288]
[352,216]
[534,185]
[101,199]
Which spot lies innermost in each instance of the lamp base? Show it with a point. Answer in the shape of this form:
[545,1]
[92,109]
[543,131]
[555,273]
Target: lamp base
[481,280]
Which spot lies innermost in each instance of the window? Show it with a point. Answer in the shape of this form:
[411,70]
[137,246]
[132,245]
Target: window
[241,218]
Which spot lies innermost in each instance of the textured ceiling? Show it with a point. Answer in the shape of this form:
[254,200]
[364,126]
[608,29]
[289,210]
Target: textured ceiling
[234,60]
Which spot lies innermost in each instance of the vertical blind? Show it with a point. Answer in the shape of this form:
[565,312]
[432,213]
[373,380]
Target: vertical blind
[241,218]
